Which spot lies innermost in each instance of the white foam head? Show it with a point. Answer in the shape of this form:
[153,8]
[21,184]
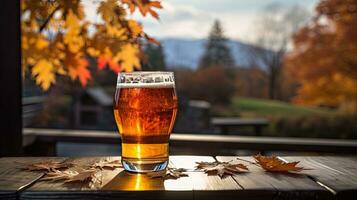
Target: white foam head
[146,80]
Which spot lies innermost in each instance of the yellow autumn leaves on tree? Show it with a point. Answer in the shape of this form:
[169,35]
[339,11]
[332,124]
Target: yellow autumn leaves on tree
[57,39]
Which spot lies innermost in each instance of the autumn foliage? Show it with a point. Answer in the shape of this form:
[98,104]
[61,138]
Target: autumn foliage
[57,38]
[274,164]
[324,59]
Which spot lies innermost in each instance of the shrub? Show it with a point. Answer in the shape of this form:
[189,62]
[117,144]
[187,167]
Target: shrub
[337,126]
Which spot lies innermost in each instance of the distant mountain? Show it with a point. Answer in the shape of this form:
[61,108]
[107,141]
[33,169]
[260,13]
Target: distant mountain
[187,52]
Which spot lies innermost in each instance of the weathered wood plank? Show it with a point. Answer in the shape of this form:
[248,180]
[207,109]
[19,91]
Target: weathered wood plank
[206,187]
[14,179]
[188,162]
[102,177]
[200,180]
[281,186]
[338,174]
[59,190]
[112,185]
[140,186]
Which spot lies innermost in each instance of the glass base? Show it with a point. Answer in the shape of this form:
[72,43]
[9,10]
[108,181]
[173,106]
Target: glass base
[144,165]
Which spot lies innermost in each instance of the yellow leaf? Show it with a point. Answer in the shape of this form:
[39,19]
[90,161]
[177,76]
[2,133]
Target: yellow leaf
[106,9]
[114,31]
[135,27]
[41,43]
[129,57]
[60,70]
[73,37]
[93,52]
[44,73]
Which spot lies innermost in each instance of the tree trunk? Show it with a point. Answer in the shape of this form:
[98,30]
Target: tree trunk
[274,74]
[272,78]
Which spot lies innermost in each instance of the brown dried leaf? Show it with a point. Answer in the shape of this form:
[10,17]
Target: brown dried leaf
[169,173]
[221,168]
[173,173]
[106,164]
[47,166]
[70,176]
[274,164]
[204,165]
[82,176]
[57,175]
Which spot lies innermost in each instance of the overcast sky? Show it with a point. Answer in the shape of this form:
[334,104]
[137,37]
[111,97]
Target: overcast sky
[193,18]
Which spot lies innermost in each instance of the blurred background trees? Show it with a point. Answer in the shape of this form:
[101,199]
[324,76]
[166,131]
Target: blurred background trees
[154,58]
[213,81]
[217,53]
[274,28]
[324,59]
[298,69]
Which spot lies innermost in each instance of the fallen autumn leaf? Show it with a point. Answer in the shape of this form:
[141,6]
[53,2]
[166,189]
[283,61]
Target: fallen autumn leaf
[221,168]
[274,164]
[47,166]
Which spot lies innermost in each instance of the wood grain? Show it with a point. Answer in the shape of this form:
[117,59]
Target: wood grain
[331,177]
[14,179]
[112,185]
[204,186]
[281,186]
[60,190]
[338,174]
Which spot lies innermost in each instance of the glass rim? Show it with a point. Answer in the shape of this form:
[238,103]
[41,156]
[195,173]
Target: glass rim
[146,72]
[150,79]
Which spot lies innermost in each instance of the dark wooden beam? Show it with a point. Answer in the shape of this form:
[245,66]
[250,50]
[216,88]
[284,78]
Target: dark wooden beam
[211,144]
[10,79]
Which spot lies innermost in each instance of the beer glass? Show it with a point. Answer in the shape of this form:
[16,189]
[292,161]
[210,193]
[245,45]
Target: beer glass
[145,110]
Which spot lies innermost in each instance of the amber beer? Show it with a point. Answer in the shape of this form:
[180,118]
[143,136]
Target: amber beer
[145,111]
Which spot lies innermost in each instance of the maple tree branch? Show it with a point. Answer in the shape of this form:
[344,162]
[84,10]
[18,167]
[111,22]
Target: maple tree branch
[43,26]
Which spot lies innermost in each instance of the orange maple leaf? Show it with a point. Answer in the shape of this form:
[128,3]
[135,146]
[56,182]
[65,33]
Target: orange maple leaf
[274,164]
[104,60]
[80,71]
[144,6]
[135,28]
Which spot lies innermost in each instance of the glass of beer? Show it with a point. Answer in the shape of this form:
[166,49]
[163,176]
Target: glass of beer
[145,111]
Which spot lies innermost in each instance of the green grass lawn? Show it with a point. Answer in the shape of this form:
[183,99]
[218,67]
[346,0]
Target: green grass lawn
[251,107]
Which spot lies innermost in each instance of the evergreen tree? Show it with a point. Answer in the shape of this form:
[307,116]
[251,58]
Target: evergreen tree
[217,52]
[155,58]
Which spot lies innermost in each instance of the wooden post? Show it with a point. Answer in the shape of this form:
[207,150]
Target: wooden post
[10,79]
[258,130]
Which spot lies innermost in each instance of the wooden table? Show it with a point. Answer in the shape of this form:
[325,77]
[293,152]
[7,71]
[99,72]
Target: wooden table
[330,178]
